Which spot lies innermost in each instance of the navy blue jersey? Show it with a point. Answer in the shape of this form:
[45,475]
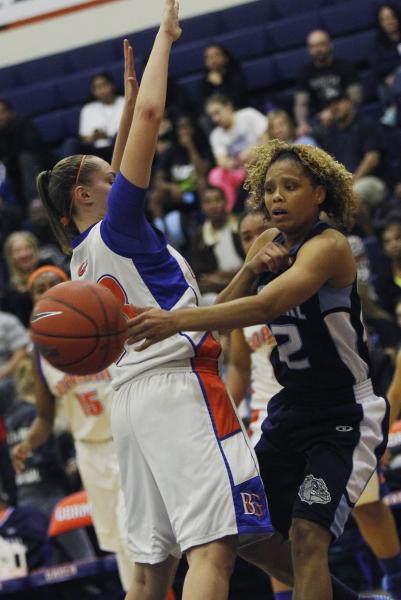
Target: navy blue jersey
[321,343]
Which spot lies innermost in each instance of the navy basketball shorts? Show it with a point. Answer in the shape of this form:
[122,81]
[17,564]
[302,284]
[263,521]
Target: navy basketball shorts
[316,455]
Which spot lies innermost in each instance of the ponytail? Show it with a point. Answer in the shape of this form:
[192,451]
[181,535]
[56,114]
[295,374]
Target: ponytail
[60,232]
[55,189]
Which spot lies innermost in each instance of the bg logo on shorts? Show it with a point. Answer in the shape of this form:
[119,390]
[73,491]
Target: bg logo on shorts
[314,491]
[252,504]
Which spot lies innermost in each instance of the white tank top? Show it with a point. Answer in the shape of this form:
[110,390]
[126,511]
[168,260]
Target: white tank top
[263,382]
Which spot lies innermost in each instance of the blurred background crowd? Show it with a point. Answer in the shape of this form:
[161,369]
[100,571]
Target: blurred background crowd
[347,103]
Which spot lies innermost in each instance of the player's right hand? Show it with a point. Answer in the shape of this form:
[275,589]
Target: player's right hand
[19,454]
[170,23]
[272,258]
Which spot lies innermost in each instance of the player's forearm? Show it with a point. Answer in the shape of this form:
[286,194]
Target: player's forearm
[239,286]
[238,313]
[39,432]
[122,136]
[153,89]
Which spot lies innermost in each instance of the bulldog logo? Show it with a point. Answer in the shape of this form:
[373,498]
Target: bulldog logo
[314,491]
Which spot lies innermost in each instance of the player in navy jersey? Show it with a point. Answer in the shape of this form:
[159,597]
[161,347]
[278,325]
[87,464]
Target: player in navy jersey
[326,429]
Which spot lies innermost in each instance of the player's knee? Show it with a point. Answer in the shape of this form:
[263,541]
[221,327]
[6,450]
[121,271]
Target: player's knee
[220,554]
[368,512]
[308,540]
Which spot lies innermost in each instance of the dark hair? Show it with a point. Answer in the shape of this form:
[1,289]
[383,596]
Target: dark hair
[55,189]
[214,188]
[232,62]
[250,213]
[104,75]
[396,10]
[219,99]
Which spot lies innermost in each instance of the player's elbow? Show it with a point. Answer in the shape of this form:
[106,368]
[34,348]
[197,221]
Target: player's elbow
[149,111]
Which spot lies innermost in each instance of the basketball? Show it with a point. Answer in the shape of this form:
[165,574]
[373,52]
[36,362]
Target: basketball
[78,327]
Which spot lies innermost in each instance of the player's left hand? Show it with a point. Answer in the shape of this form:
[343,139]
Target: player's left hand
[131,85]
[150,326]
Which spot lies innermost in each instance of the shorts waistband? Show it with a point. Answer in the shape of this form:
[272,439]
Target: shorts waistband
[189,365]
[363,390]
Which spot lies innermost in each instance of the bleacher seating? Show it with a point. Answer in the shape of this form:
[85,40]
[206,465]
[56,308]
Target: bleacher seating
[267,36]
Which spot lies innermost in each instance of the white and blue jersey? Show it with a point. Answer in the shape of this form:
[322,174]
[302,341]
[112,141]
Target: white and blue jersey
[321,344]
[130,257]
[188,473]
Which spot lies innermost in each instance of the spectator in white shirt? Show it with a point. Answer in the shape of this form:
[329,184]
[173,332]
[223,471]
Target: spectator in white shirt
[99,120]
[232,139]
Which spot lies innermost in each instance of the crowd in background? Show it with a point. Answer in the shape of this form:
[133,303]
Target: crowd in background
[195,198]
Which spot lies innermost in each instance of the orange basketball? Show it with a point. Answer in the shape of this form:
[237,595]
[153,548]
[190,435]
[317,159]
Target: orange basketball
[79,327]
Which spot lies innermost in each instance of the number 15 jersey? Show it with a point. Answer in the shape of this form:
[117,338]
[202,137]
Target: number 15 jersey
[321,344]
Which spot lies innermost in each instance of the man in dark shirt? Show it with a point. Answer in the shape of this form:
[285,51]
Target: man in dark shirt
[22,151]
[324,77]
[353,139]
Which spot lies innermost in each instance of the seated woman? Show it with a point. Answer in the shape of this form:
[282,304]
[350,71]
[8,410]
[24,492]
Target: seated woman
[223,75]
[99,119]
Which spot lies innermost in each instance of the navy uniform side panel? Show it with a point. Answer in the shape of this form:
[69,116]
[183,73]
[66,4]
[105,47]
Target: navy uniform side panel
[321,343]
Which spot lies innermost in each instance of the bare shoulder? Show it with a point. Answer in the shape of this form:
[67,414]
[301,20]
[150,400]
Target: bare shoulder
[264,238]
[331,252]
[330,240]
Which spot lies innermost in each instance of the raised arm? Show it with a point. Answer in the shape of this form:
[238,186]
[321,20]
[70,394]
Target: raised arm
[130,95]
[41,427]
[139,151]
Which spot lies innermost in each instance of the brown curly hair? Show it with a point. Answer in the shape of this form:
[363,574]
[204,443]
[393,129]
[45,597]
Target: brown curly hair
[320,167]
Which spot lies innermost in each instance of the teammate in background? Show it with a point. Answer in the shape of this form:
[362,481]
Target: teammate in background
[326,429]
[87,401]
[218,496]
[250,364]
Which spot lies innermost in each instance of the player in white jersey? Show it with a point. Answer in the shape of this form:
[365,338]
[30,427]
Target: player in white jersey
[189,475]
[86,402]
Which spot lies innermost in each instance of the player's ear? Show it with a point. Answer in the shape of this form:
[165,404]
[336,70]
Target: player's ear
[320,194]
[81,194]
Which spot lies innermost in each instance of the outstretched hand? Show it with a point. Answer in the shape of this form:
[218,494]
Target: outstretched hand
[131,85]
[150,326]
[170,23]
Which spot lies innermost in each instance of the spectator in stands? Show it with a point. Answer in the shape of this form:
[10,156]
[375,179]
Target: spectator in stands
[357,142]
[234,136]
[215,253]
[180,176]
[388,283]
[99,119]
[281,127]
[223,75]
[21,252]
[26,525]
[14,342]
[386,58]
[22,151]
[321,79]
[44,481]
[38,224]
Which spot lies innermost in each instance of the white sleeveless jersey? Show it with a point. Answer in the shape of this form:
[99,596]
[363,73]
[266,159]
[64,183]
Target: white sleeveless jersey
[86,400]
[127,255]
[263,381]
